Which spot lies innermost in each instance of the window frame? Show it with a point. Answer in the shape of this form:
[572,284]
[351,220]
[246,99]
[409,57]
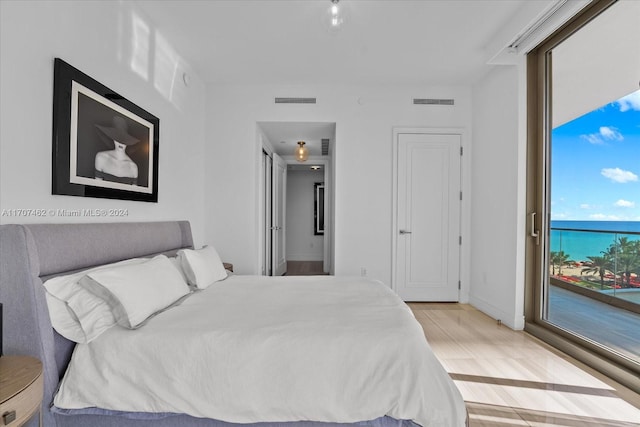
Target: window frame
[539,93]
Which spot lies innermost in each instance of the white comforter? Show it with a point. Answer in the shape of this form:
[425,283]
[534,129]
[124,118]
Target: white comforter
[251,349]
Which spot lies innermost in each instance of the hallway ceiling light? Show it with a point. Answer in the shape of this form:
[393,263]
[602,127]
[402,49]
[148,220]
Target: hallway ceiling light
[301,152]
[335,16]
[315,167]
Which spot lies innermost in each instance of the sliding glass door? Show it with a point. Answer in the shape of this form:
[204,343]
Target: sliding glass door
[584,194]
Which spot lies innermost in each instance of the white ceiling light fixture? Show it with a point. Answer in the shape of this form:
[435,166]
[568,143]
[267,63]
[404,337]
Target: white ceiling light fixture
[301,152]
[335,16]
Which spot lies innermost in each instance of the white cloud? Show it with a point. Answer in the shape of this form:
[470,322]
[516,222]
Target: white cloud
[625,204]
[585,206]
[629,102]
[619,175]
[599,217]
[605,133]
[608,132]
[593,138]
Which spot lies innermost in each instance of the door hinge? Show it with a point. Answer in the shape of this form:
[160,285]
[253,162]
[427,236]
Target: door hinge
[461,195]
[461,150]
[459,285]
[460,240]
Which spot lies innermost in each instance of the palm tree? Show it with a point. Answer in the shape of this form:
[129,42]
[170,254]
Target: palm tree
[599,265]
[559,259]
[627,257]
[552,259]
[635,267]
[612,255]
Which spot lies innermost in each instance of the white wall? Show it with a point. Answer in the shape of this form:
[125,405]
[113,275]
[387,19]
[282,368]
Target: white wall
[498,195]
[98,38]
[302,244]
[364,117]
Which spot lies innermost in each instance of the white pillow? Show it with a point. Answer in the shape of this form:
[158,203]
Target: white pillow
[202,267]
[175,261]
[76,313]
[137,292]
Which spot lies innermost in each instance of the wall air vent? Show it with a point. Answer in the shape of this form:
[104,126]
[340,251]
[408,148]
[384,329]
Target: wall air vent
[295,100]
[325,147]
[431,101]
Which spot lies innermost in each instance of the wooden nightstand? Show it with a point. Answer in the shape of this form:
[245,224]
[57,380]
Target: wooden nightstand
[228,266]
[21,388]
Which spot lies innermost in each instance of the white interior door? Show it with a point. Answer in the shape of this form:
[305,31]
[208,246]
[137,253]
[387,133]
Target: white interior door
[278,208]
[428,217]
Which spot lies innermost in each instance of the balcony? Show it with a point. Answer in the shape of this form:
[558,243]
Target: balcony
[594,287]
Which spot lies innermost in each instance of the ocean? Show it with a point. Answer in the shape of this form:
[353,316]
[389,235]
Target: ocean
[580,245]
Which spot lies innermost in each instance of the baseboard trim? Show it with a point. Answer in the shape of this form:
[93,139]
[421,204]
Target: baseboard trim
[496,313]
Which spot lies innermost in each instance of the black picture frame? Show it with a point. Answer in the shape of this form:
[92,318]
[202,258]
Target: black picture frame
[318,208]
[88,120]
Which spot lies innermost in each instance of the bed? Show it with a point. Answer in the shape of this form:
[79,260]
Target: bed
[285,351]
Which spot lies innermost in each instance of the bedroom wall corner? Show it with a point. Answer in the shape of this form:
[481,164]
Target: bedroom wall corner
[498,198]
[117,45]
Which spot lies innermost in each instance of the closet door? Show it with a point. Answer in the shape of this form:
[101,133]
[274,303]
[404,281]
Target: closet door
[278,219]
[428,227]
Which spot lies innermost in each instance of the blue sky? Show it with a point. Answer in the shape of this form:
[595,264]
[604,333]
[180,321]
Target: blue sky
[595,164]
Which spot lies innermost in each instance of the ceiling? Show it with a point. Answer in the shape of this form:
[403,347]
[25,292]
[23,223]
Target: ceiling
[383,42]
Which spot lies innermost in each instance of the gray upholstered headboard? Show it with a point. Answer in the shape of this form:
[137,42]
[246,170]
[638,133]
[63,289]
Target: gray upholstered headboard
[33,252]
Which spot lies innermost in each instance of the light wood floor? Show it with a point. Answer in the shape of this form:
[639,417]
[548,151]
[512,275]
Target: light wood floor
[508,378]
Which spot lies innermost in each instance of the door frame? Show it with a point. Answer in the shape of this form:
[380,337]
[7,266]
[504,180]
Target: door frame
[262,144]
[262,257]
[267,211]
[465,204]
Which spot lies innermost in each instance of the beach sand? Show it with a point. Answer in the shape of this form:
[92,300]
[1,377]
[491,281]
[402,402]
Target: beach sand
[576,271]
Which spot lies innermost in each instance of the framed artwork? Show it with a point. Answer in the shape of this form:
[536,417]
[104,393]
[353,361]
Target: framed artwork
[103,144]
[318,208]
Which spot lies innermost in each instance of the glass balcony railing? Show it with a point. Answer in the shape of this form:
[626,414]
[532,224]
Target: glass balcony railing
[593,286]
[604,262]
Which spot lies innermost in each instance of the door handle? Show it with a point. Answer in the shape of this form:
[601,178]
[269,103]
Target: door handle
[532,228]
[405,232]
